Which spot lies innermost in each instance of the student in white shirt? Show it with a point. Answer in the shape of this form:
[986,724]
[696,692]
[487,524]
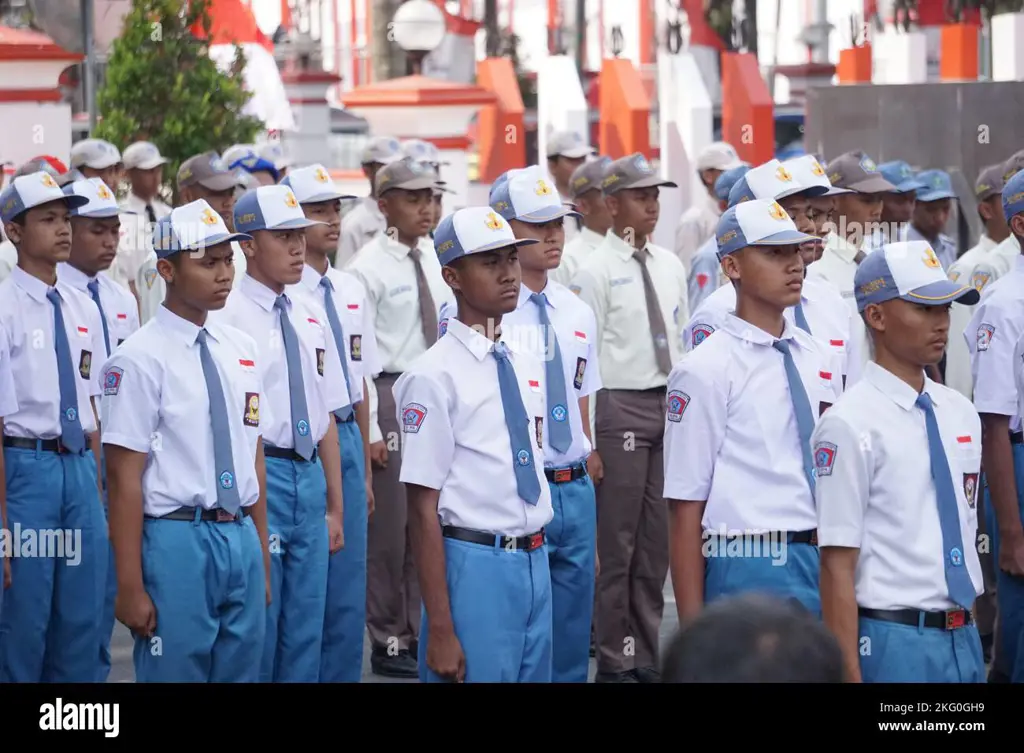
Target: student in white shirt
[897,461]
[8,405]
[304,386]
[472,410]
[52,608]
[145,168]
[741,410]
[181,433]
[343,298]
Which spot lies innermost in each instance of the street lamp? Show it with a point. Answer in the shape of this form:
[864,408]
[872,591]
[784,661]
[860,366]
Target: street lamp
[418,27]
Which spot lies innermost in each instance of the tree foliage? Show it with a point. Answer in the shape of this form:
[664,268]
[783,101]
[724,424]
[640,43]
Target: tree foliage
[162,86]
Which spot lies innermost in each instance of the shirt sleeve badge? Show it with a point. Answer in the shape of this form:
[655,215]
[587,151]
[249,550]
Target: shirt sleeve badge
[112,380]
[701,333]
[677,402]
[824,458]
[412,417]
[985,333]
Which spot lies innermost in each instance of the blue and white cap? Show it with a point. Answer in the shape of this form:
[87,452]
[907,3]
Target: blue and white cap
[911,272]
[1013,196]
[936,185]
[770,181]
[313,183]
[29,191]
[473,230]
[757,222]
[528,196]
[500,181]
[810,174]
[101,201]
[901,175]
[192,227]
[246,157]
[725,181]
[270,208]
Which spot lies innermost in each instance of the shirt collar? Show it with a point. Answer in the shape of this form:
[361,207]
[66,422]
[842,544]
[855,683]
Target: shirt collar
[841,248]
[622,249]
[179,328]
[311,278]
[73,276]
[896,389]
[36,288]
[478,345]
[548,292]
[400,250]
[263,296]
[590,237]
[747,332]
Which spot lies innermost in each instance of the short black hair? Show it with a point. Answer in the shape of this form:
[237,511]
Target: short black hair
[754,639]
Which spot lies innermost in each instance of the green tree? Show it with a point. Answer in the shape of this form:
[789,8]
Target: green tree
[162,86]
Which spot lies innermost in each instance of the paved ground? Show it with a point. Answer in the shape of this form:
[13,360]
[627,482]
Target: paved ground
[123,671]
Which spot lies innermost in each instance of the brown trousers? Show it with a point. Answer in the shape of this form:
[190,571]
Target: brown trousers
[392,588]
[632,529]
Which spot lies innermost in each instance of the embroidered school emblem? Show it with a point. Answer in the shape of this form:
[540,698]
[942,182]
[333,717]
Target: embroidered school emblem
[48,181]
[289,200]
[816,168]
[355,347]
[776,211]
[85,364]
[102,192]
[412,417]
[494,221]
[252,409]
[985,333]
[930,259]
[824,458]
[971,489]
[701,332]
[208,217]
[783,174]
[150,277]
[558,413]
[321,175]
[112,380]
[543,189]
[676,405]
[979,280]
[442,327]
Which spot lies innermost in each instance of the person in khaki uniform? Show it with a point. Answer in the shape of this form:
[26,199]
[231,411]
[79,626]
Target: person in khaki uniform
[585,193]
[567,151]
[638,294]
[362,223]
[404,292]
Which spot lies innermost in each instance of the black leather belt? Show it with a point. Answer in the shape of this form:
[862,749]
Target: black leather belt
[215,515]
[389,375]
[527,543]
[286,453]
[1017,437]
[951,619]
[565,475]
[45,445]
[792,537]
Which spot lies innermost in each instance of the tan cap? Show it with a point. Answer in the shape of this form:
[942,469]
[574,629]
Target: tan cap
[718,156]
[1013,165]
[588,176]
[633,171]
[207,170]
[567,144]
[94,153]
[382,150]
[143,155]
[405,174]
[857,172]
[990,182]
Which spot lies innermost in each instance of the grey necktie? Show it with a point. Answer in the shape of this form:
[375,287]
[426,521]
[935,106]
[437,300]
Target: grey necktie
[227,488]
[428,311]
[296,386]
[654,318]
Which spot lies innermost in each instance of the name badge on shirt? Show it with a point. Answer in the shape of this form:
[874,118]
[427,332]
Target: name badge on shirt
[581,367]
[355,347]
[320,361]
[252,409]
[85,364]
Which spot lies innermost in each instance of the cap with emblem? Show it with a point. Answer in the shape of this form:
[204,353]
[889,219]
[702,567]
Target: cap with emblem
[424,151]
[937,186]
[728,179]
[1013,165]
[857,172]
[499,181]
[382,150]
[718,156]
[143,155]
[567,144]
[192,227]
[1013,196]
[473,230]
[29,191]
[528,196]
[94,153]
[270,208]
[758,222]
[769,181]
[901,175]
[207,170]
[911,272]
[633,171]
[990,182]
[248,159]
[808,172]
[406,174]
[101,202]
[588,176]
[312,184]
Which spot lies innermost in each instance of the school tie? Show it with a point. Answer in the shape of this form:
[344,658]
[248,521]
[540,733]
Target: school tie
[345,413]
[958,580]
[559,431]
[94,289]
[801,407]
[801,318]
[71,434]
[655,320]
[223,460]
[518,424]
[296,387]
[428,310]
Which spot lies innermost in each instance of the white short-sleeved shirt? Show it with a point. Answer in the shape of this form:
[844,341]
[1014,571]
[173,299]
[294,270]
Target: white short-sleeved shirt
[830,320]
[119,306]
[454,435]
[8,398]
[731,434]
[991,336]
[359,226]
[875,490]
[356,319]
[250,308]
[27,315]
[958,358]
[575,254]
[576,330]
[151,288]
[155,402]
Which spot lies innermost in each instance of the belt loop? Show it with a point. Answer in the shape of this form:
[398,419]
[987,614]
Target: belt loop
[920,622]
[197,518]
